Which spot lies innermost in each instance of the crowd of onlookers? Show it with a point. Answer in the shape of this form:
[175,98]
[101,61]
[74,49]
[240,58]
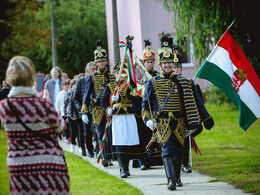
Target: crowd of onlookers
[66,95]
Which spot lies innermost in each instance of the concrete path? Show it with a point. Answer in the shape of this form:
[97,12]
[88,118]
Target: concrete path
[153,181]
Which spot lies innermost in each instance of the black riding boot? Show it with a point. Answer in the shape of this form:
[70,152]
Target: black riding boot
[169,172]
[127,166]
[177,172]
[123,165]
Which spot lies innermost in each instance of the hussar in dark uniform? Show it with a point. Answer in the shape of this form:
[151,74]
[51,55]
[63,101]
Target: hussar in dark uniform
[95,86]
[123,134]
[171,105]
[149,58]
[154,152]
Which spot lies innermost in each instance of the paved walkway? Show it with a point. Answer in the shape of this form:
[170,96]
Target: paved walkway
[153,181]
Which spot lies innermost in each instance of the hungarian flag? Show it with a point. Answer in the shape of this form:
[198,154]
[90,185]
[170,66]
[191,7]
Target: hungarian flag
[130,64]
[228,68]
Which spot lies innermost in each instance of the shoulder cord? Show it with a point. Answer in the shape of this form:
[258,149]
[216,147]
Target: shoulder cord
[181,97]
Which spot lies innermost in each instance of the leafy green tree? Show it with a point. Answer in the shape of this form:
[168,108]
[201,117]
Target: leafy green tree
[25,35]
[5,32]
[79,23]
[204,22]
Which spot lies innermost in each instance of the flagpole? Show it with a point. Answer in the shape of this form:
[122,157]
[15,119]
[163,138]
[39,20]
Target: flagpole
[190,150]
[231,24]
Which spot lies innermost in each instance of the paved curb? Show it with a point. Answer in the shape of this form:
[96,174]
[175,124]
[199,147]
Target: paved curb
[153,181]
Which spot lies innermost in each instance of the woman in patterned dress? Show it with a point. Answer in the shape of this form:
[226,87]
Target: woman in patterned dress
[36,165]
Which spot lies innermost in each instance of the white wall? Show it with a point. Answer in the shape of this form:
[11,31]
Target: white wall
[143,19]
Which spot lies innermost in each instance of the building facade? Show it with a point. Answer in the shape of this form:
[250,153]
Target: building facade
[145,19]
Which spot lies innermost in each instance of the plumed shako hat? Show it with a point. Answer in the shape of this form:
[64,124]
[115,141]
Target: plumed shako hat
[100,54]
[177,60]
[148,52]
[165,54]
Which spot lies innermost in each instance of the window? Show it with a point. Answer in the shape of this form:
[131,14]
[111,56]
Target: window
[186,52]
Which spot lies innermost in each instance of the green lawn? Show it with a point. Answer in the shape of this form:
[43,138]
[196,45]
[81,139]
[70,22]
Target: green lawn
[84,178]
[229,153]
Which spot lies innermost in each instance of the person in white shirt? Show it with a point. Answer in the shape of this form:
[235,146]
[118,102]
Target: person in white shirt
[60,103]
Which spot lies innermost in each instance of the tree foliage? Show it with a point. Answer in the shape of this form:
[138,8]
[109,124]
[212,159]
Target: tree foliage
[24,34]
[79,23]
[204,22]
[217,97]
[5,32]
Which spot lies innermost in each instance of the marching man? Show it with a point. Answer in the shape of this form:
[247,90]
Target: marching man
[95,87]
[124,136]
[170,106]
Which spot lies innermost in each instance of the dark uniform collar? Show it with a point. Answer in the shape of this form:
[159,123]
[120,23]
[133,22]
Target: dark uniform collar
[152,71]
[102,72]
[167,76]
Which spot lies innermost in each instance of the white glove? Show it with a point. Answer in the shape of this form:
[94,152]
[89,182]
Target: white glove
[115,98]
[109,111]
[85,118]
[151,124]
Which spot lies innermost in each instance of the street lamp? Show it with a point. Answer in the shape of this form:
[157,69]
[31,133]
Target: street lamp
[54,51]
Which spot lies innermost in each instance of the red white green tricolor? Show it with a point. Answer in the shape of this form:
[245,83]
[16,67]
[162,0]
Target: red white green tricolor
[228,68]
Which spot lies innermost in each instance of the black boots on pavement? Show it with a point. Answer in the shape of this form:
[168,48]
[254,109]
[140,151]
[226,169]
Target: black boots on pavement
[124,167]
[169,169]
[177,172]
[173,172]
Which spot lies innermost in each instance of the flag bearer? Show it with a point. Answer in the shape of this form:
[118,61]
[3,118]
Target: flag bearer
[123,135]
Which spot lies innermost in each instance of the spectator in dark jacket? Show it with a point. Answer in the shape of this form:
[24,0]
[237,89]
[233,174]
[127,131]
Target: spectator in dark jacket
[78,99]
[74,121]
[4,90]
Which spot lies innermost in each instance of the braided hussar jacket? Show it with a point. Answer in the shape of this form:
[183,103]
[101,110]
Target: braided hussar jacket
[126,98]
[95,87]
[183,109]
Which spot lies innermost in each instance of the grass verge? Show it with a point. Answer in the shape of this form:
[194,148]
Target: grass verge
[84,178]
[228,153]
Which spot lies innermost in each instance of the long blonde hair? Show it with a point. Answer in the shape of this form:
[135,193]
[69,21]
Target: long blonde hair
[59,70]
